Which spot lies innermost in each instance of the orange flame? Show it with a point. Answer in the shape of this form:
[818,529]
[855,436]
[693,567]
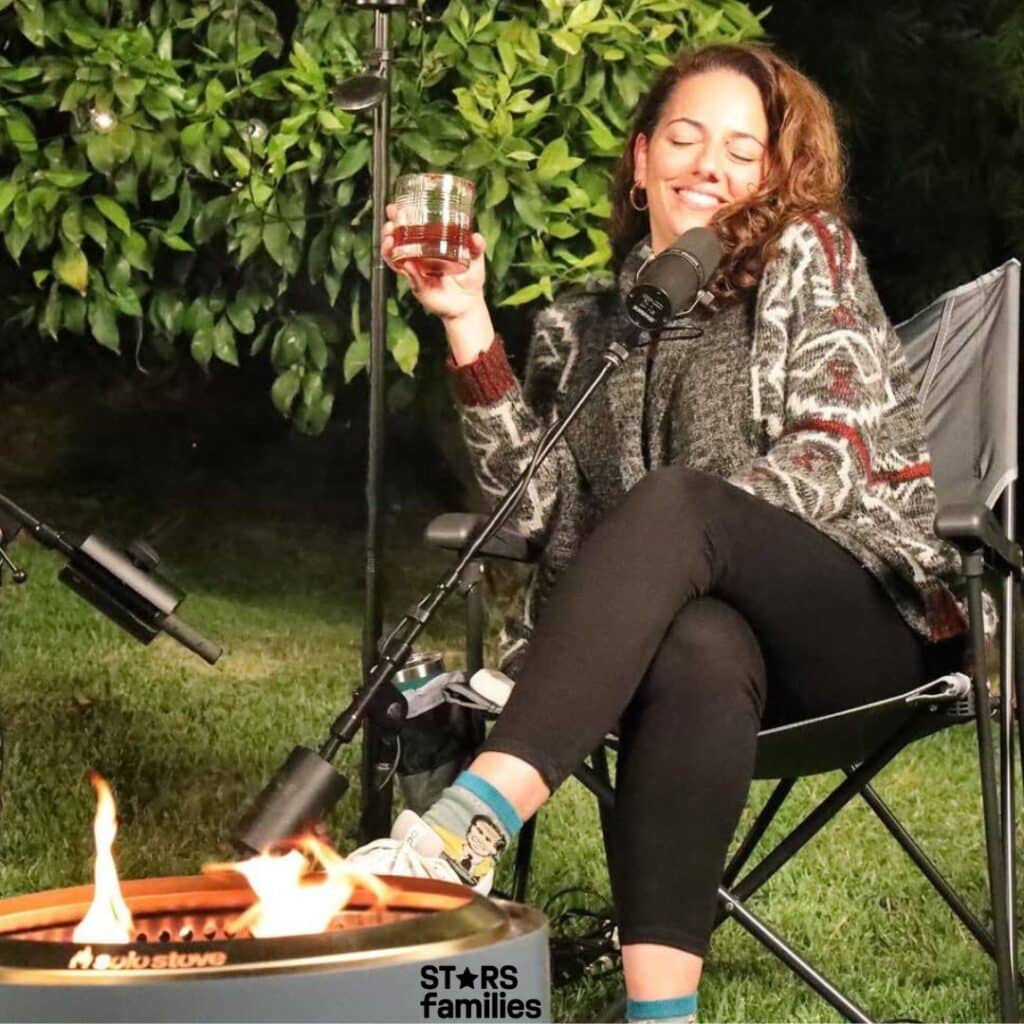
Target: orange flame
[108,918]
[288,900]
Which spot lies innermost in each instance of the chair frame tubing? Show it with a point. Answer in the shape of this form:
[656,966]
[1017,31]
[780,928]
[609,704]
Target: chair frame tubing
[998,805]
[995,851]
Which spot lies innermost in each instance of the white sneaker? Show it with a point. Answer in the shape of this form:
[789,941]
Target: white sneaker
[495,687]
[414,850]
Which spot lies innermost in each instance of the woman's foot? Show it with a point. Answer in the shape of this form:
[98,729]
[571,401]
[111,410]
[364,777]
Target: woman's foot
[414,850]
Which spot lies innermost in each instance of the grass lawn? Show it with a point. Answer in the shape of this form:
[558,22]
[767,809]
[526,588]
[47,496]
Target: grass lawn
[185,746]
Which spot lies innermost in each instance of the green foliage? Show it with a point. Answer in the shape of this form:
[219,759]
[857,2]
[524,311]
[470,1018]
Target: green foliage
[175,174]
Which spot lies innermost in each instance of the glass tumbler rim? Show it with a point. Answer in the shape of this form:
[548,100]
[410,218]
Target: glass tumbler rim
[433,179]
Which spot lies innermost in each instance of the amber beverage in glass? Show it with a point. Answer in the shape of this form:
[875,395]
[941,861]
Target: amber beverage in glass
[433,222]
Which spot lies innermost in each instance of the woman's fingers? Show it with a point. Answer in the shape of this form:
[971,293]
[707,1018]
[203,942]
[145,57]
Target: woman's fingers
[391,211]
[412,272]
[477,244]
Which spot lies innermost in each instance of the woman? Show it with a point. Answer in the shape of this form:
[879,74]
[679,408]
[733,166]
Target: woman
[754,491]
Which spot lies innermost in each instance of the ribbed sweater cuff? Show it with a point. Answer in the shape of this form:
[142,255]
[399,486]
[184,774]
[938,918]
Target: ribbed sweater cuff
[485,380]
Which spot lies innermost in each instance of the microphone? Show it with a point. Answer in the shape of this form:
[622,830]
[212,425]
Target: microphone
[672,280]
[126,587]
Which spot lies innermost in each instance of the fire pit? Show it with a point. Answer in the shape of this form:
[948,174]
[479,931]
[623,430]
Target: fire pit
[435,951]
[291,935]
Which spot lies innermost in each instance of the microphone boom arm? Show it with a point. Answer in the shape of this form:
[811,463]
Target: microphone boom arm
[307,787]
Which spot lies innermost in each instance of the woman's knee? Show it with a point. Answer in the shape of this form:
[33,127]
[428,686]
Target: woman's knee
[682,494]
[709,655]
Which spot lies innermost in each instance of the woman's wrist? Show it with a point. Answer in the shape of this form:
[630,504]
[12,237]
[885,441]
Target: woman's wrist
[469,333]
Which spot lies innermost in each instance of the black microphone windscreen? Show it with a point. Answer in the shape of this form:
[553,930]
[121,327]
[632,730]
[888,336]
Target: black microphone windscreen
[704,246]
[672,280]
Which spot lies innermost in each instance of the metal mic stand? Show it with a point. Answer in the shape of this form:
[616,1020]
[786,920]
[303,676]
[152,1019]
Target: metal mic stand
[307,786]
[372,91]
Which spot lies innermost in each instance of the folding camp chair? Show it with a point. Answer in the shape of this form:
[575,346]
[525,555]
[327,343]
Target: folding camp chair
[962,352]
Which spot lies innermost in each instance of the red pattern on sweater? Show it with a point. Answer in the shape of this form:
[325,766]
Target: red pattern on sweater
[829,246]
[852,435]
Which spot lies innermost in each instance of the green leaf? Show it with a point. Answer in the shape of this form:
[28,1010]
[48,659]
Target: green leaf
[567,41]
[176,242]
[555,160]
[357,357]
[531,210]
[330,121]
[128,303]
[52,313]
[20,132]
[202,345]
[239,160]
[66,179]
[103,323]
[100,151]
[136,252]
[354,159]
[8,190]
[114,212]
[214,95]
[403,344]
[289,347]
[319,252]
[524,295]
[72,268]
[71,225]
[241,317]
[284,390]
[224,342]
[584,13]
[275,238]
[166,311]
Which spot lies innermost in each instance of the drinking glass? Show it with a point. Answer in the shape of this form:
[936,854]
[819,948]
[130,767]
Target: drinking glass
[433,222]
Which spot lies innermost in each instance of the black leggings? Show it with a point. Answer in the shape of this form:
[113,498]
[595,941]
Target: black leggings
[694,614]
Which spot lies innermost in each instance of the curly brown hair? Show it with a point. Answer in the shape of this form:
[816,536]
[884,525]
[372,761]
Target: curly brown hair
[806,167]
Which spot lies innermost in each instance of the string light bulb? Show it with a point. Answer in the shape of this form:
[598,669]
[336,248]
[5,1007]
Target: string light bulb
[256,130]
[102,121]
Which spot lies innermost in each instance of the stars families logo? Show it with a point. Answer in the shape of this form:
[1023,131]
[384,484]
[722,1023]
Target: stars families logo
[467,994]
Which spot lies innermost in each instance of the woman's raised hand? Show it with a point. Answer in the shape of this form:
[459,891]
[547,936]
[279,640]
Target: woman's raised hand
[449,296]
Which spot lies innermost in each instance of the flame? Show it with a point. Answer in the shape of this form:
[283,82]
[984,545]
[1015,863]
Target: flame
[289,900]
[108,918]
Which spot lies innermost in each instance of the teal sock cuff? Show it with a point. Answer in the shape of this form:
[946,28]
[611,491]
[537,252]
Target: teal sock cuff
[661,1009]
[483,790]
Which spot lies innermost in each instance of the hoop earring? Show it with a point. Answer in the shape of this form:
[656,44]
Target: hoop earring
[634,202]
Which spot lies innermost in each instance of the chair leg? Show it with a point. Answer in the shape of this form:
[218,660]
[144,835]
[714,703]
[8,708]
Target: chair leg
[819,817]
[764,818]
[732,908]
[1018,670]
[973,568]
[927,868]
[524,860]
[1008,790]
[599,763]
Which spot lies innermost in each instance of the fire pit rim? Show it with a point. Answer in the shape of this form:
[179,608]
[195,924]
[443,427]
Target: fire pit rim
[476,921]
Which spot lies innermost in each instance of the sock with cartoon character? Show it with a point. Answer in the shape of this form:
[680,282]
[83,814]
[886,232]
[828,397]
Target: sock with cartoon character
[476,823]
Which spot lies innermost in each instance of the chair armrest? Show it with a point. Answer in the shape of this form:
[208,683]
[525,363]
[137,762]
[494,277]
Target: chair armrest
[453,531]
[971,526]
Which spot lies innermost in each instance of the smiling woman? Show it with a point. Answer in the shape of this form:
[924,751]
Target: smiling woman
[737,135]
[736,530]
[709,148]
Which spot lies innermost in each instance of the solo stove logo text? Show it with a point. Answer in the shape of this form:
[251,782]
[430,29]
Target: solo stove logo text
[490,994]
[85,960]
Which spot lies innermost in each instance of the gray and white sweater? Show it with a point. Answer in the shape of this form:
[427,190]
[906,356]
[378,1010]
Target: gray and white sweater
[799,395]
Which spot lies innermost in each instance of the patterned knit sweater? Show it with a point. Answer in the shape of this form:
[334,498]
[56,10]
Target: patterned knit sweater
[800,396]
